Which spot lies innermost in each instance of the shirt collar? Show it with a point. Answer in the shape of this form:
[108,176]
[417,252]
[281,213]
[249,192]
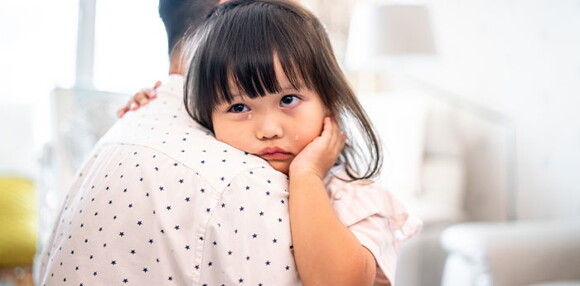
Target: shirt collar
[176,79]
[172,86]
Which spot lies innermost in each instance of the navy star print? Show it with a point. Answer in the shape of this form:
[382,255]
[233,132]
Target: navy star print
[162,202]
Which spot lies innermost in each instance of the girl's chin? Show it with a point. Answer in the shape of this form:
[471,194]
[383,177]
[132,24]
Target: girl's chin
[280,166]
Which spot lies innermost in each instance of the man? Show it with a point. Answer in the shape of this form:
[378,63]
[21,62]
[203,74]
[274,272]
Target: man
[160,201]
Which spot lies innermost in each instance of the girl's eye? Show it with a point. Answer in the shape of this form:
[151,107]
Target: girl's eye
[289,100]
[238,108]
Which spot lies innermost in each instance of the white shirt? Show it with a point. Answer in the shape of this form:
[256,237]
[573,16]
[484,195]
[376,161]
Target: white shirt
[161,202]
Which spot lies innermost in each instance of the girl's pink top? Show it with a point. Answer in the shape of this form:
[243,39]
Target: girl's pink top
[379,221]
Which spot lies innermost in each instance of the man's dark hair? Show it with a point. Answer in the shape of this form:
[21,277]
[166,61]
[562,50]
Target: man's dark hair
[181,17]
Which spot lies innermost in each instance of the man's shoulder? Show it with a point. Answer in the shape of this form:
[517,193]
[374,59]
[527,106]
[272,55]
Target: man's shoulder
[182,140]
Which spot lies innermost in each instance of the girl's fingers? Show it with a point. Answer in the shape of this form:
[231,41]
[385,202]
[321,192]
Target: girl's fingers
[150,93]
[141,99]
[333,134]
[328,127]
[128,106]
[335,129]
[122,111]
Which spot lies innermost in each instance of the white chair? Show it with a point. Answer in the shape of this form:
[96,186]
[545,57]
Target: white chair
[513,253]
[447,160]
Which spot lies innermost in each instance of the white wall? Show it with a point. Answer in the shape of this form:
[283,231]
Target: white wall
[521,58]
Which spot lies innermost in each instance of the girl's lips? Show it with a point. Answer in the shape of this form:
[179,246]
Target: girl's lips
[274,153]
[276,156]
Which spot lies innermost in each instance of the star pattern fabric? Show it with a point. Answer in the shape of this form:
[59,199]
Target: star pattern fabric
[161,202]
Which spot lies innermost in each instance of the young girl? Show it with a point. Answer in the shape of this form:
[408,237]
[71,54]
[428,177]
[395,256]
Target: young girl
[263,78]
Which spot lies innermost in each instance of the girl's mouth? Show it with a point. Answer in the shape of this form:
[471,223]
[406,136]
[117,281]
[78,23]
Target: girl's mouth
[274,153]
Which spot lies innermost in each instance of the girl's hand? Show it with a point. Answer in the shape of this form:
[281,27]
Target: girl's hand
[321,154]
[140,98]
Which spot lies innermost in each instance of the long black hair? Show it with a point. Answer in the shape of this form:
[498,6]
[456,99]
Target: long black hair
[238,46]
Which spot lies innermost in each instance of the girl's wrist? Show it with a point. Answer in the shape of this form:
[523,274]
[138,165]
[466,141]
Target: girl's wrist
[304,174]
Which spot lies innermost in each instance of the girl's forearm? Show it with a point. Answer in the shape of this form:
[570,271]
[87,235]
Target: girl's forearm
[326,252]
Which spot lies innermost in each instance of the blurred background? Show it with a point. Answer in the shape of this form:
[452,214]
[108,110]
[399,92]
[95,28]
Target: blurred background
[477,103]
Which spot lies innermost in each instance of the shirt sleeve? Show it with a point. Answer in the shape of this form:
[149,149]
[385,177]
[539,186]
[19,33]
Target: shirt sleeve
[378,220]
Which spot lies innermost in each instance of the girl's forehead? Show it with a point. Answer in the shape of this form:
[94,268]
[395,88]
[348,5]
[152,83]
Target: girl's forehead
[282,83]
[238,94]
[256,78]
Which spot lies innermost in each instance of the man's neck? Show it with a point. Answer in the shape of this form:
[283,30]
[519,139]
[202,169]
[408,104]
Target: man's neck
[175,69]
[175,64]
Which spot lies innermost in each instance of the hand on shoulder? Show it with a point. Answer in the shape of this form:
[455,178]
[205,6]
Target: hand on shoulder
[141,98]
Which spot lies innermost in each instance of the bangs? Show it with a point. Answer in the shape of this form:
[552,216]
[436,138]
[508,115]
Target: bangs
[249,79]
[240,58]
[236,53]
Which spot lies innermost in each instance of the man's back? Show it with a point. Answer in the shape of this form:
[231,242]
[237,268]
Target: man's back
[161,201]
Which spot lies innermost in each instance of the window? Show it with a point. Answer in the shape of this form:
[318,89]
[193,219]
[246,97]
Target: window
[130,45]
[38,48]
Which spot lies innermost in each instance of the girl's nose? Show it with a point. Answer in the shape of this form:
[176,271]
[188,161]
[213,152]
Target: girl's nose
[268,128]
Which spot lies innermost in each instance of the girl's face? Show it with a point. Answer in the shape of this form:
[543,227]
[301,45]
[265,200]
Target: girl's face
[275,127]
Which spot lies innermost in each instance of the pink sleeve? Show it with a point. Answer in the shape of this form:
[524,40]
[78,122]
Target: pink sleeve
[378,220]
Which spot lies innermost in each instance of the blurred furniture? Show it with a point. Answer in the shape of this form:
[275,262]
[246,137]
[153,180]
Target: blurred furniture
[79,117]
[448,161]
[18,229]
[513,253]
[432,145]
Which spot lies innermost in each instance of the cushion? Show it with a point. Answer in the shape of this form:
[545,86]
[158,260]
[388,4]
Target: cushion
[18,221]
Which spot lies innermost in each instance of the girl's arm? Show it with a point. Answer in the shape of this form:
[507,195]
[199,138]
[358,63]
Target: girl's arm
[326,252]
